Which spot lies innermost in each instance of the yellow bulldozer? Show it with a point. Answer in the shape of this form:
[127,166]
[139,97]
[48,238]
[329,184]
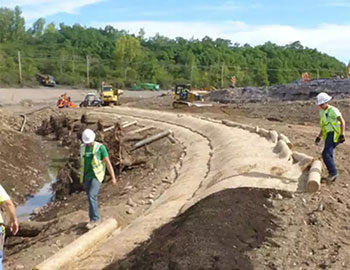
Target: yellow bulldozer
[184,95]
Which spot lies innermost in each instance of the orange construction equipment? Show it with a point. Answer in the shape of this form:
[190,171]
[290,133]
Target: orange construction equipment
[64,102]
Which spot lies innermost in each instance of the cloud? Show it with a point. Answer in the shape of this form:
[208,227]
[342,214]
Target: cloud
[332,39]
[338,3]
[33,9]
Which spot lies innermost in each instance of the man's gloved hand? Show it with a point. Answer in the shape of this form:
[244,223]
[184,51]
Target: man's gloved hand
[317,140]
[341,138]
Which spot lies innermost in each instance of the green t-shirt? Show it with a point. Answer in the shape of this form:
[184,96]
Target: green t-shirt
[330,114]
[101,154]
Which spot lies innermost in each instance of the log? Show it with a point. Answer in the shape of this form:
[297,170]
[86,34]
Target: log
[274,136]
[262,132]
[303,160]
[172,139]
[153,138]
[314,179]
[79,246]
[283,150]
[125,125]
[286,139]
[108,129]
[140,130]
[238,125]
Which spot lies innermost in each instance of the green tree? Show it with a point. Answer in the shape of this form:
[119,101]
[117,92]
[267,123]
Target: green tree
[38,27]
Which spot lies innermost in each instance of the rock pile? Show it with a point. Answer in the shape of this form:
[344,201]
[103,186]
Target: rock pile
[298,90]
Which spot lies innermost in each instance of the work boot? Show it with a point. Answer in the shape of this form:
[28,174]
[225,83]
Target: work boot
[92,224]
[331,178]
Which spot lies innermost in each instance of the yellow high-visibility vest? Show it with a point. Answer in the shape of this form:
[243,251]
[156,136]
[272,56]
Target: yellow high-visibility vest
[329,123]
[98,166]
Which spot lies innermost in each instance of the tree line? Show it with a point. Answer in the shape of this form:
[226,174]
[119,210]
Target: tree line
[77,56]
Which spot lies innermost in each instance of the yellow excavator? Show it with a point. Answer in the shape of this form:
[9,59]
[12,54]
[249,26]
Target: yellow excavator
[184,95]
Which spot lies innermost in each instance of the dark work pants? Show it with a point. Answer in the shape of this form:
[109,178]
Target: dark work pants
[327,154]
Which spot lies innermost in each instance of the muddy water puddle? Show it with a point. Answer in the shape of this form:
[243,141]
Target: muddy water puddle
[45,194]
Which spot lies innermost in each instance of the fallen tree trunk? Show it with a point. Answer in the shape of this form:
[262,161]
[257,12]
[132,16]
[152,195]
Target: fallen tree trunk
[79,246]
[152,138]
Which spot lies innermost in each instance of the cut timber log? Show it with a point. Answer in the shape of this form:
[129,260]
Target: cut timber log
[286,139]
[108,129]
[314,179]
[79,246]
[302,159]
[239,125]
[140,130]
[152,138]
[274,136]
[283,150]
[263,132]
[129,124]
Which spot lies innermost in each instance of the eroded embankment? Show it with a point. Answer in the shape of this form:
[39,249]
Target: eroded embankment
[219,157]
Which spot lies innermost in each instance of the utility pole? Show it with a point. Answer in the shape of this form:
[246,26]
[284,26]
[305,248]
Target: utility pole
[19,67]
[318,74]
[73,64]
[87,70]
[222,75]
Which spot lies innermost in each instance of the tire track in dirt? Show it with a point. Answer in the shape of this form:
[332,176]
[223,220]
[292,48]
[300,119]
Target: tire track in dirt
[214,151]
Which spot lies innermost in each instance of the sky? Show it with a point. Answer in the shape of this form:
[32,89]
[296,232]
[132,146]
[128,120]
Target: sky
[320,24]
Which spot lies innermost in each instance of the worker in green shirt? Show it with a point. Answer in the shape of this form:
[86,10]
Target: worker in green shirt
[94,159]
[6,203]
[332,131]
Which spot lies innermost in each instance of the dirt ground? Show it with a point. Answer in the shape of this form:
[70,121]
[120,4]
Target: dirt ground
[234,229]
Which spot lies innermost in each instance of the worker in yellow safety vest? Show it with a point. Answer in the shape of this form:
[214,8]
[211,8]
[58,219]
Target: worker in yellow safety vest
[6,203]
[94,159]
[332,131]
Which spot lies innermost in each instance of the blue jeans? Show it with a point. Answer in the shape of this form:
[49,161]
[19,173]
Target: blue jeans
[327,154]
[92,188]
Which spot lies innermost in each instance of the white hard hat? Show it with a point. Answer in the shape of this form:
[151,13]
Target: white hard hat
[322,98]
[88,136]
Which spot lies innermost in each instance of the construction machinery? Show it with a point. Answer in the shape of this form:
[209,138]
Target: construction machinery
[184,95]
[91,100]
[65,102]
[146,86]
[46,80]
[109,94]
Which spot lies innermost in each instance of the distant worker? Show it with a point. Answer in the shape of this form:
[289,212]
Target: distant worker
[233,81]
[332,131]
[6,203]
[305,76]
[94,159]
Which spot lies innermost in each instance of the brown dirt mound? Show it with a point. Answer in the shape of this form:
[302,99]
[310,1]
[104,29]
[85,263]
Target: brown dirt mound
[21,159]
[215,233]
